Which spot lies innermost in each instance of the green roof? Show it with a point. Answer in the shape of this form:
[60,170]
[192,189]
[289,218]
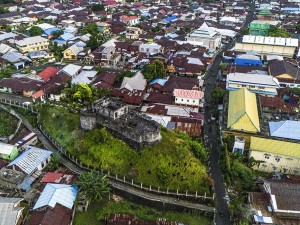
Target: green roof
[265,12]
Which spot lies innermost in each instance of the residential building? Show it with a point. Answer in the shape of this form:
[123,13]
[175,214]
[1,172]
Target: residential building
[277,155]
[239,145]
[150,49]
[130,20]
[133,32]
[268,45]
[8,152]
[256,83]
[188,97]
[243,111]
[205,36]
[248,60]
[259,28]
[47,73]
[32,44]
[72,52]
[288,129]
[134,83]
[10,211]
[85,77]
[71,70]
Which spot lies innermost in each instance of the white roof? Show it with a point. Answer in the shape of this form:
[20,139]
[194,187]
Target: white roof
[31,40]
[75,49]
[252,79]
[277,41]
[248,56]
[71,69]
[6,149]
[280,41]
[85,77]
[5,36]
[137,82]
[4,48]
[227,32]
[229,18]
[195,61]
[204,31]
[29,160]
[9,215]
[52,194]
[45,26]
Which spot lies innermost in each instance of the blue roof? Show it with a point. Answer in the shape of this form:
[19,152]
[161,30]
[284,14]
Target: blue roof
[159,81]
[29,160]
[50,30]
[59,42]
[171,18]
[63,194]
[66,36]
[285,129]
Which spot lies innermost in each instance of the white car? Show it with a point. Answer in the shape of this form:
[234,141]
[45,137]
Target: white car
[26,103]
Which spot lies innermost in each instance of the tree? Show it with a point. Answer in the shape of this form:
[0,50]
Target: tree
[54,162]
[155,69]
[35,31]
[298,27]
[8,28]
[239,211]
[125,73]
[217,95]
[227,159]
[6,73]
[156,29]
[57,33]
[83,93]
[97,7]
[57,50]
[296,91]
[3,10]
[278,32]
[93,43]
[91,28]
[93,186]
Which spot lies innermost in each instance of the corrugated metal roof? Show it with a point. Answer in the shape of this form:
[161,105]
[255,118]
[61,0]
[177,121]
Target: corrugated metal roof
[63,194]
[6,149]
[275,146]
[9,215]
[242,111]
[285,129]
[29,160]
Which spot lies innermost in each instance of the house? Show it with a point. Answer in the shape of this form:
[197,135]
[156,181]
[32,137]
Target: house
[10,211]
[256,83]
[25,140]
[32,160]
[259,28]
[71,70]
[277,155]
[130,20]
[239,145]
[268,45]
[133,32]
[72,52]
[150,49]
[134,83]
[192,126]
[287,74]
[205,36]
[32,44]
[188,97]
[243,111]
[47,73]
[248,60]
[8,152]
[17,59]
[85,77]
[105,80]
[288,129]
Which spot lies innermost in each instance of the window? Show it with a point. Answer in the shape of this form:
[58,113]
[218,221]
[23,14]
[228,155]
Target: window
[277,159]
[267,157]
[182,100]
[176,99]
[194,101]
[188,100]
[243,85]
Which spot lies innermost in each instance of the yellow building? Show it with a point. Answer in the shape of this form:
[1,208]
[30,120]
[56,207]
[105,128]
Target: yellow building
[278,156]
[72,52]
[32,44]
[242,111]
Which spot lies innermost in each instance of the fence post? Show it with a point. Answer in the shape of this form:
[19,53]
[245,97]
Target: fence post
[131,181]
[177,192]
[150,187]
[197,194]
[116,176]
[141,185]
[158,189]
[186,193]
[124,179]
[167,190]
[205,195]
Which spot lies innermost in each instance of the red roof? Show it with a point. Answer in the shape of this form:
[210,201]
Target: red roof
[188,93]
[128,18]
[51,177]
[110,2]
[38,94]
[47,73]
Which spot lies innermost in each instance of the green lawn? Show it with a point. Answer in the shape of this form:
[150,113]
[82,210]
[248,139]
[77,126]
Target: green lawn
[102,210]
[27,115]
[177,162]
[8,123]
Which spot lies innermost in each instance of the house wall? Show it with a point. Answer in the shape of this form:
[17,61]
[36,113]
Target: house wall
[187,101]
[68,54]
[14,153]
[43,164]
[34,47]
[150,48]
[268,91]
[247,62]
[292,164]
[27,93]
[285,75]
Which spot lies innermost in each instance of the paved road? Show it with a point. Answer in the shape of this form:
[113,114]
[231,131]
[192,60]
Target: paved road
[222,215]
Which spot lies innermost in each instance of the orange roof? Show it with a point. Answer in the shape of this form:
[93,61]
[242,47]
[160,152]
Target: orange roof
[47,73]
[128,18]
[38,94]
[51,177]
[188,93]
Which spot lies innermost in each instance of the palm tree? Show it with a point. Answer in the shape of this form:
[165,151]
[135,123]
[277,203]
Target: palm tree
[93,186]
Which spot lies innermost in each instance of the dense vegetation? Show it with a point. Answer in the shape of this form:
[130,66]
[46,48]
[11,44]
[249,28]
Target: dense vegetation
[176,162]
[8,123]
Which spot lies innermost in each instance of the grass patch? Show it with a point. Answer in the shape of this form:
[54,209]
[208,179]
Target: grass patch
[98,212]
[27,115]
[8,123]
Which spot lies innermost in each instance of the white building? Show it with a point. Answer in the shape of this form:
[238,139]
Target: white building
[151,48]
[10,211]
[130,20]
[32,44]
[187,97]
[207,36]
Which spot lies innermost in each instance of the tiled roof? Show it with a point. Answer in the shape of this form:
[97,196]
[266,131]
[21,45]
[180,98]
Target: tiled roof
[52,177]
[194,94]
[47,73]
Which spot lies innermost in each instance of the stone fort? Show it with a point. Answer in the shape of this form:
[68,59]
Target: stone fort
[136,129]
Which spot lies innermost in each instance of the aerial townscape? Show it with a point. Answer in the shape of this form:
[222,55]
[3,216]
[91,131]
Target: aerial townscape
[139,112]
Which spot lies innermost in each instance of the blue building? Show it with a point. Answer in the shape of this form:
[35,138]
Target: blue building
[248,60]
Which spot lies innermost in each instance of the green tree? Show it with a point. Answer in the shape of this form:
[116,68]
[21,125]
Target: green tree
[278,32]
[93,186]
[6,73]
[7,28]
[3,10]
[57,50]
[57,33]
[296,91]
[155,69]
[91,28]
[93,43]
[97,7]
[54,162]
[227,160]
[156,29]
[83,93]
[239,211]
[125,73]
[217,95]
[298,27]
[35,31]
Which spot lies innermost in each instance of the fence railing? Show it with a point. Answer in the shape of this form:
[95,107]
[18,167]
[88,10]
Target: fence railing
[111,176]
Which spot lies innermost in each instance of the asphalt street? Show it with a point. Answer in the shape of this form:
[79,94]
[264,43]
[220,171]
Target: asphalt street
[222,216]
